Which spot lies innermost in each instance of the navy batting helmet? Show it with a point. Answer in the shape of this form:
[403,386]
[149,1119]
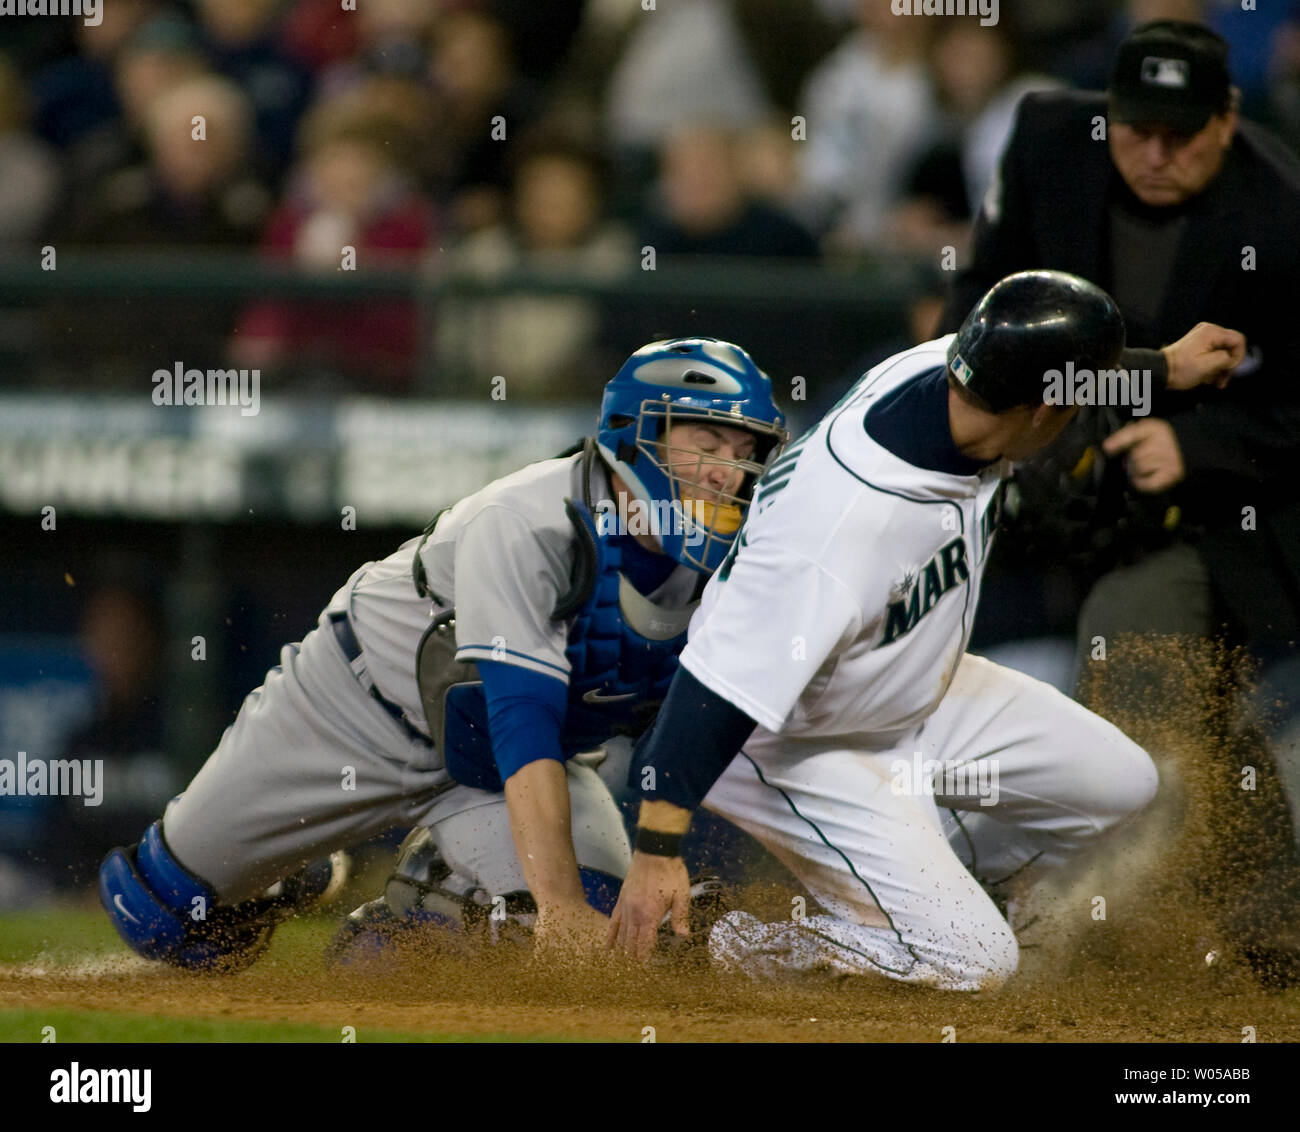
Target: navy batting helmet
[1028,325]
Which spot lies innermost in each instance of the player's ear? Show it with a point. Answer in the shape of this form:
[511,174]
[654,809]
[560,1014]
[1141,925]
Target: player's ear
[1230,117]
[1042,414]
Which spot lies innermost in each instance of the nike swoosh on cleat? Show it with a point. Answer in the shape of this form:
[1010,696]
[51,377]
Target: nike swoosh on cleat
[117,903]
[595,697]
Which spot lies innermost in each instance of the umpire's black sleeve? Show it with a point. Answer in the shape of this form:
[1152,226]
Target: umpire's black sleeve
[1135,358]
[1251,430]
[1003,242]
[692,742]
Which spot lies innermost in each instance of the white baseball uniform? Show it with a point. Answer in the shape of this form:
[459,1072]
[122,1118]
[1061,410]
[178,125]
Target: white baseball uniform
[841,627]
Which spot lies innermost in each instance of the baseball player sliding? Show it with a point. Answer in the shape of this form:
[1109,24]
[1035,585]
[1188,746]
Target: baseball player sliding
[448,686]
[825,702]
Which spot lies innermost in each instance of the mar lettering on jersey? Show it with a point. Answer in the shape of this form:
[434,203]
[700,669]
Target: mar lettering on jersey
[919,591]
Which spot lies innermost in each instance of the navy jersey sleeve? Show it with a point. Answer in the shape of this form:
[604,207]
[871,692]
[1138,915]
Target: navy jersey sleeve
[693,740]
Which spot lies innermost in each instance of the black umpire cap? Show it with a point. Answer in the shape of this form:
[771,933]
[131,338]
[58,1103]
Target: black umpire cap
[1173,72]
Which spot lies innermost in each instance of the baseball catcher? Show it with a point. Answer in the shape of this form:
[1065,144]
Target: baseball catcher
[449,687]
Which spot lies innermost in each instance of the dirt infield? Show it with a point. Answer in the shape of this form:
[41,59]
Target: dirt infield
[1103,991]
[1118,953]
[459,997]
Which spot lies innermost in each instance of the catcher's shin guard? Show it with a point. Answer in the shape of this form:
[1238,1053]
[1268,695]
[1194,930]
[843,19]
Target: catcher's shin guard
[164,912]
[425,896]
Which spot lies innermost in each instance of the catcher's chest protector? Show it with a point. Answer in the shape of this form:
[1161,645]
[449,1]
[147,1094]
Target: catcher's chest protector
[622,650]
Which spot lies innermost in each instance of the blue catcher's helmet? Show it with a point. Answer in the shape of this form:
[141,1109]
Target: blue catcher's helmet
[697,380]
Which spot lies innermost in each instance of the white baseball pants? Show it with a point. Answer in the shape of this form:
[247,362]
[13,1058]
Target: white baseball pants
[903,895]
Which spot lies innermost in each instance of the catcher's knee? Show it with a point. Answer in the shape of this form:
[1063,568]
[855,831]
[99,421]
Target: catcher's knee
[424,884]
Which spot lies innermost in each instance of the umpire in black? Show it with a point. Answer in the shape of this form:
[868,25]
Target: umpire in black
[1158,192]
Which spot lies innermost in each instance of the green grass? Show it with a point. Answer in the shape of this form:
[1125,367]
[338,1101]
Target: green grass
[77,934]
[113,1027]
[56,933]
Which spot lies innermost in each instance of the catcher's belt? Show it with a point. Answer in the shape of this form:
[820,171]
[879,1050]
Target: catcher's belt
[347,640]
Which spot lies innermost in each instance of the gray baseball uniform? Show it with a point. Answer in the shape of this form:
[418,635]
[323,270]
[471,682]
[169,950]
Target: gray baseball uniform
[333,748]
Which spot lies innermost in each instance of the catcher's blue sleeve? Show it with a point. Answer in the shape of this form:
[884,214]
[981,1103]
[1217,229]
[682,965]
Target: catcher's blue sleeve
[692,742]
[525,714]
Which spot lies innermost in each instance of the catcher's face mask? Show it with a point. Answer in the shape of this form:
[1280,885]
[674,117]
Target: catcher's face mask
[709,460]
[694,492]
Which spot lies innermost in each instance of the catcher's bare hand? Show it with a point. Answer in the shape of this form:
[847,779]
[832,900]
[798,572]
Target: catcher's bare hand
[569,929]
[1206,355]
[654,885]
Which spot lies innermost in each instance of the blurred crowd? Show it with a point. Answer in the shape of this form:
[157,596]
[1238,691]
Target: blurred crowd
[479,137]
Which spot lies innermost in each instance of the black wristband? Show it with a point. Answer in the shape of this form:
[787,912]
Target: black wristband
[658,844]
